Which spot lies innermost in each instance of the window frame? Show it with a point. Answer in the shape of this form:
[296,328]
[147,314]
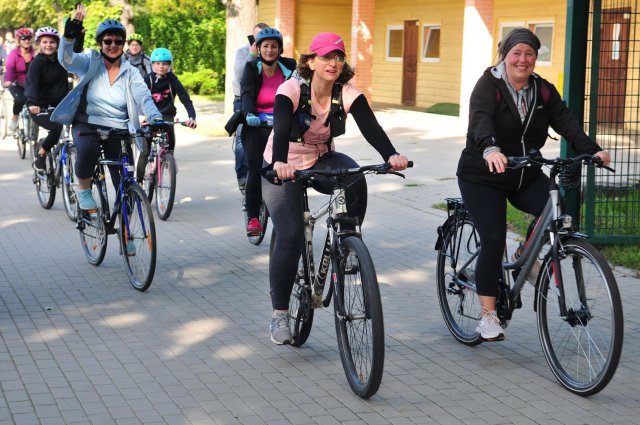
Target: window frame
[544,23]
[388,43]
[425,43]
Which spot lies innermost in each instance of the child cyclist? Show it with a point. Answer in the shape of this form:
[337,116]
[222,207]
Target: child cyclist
[164,86]
[46,86]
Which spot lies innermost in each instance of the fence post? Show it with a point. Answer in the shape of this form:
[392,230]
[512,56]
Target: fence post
[575,64]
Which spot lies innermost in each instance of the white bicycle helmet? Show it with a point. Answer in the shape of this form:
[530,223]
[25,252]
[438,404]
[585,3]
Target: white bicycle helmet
[47,31]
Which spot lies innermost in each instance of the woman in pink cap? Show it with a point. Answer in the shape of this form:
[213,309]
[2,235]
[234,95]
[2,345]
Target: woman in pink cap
[310,110]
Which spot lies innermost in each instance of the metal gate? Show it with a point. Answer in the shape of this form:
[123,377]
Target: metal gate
[610,203]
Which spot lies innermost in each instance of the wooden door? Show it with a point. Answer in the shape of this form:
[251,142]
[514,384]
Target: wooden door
[612,74]
[410,63]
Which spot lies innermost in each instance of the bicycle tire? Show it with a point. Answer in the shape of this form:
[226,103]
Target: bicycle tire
[4,117]
[263,217]
[458,301]
[165,186]
[22,144]
[46,184]
[92,228]
[358,317]
[137,227]
[582,349]
[300,311]
[69,184]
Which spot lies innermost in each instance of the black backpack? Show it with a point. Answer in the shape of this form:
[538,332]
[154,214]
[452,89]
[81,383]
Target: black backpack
[302,116]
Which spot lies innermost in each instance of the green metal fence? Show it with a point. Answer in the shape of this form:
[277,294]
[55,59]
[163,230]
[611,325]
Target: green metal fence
[609,204]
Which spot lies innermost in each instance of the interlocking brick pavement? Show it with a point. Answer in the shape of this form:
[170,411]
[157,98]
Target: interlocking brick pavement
[78,345]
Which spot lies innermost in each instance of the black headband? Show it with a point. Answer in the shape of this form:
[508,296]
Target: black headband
[517,36]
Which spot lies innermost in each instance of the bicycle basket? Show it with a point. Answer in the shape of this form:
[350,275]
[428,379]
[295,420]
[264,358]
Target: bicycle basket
[569,176]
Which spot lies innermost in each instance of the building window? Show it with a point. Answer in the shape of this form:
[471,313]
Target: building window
[431,43]
[395,40]
[544,31]
[507,27]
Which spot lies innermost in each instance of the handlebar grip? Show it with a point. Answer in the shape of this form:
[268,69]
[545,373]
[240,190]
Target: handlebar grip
[270,174]
[410,164]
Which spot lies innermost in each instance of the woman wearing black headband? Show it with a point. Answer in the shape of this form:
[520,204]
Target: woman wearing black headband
[510,112]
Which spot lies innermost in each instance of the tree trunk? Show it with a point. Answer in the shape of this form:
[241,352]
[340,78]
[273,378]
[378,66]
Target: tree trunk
[241,18]
[127,14]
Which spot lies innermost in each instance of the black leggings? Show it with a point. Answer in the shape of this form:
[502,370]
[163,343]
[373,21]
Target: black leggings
[488,209]
[88,147]
[285,204]
[18,98]
[254,140]
[55,129]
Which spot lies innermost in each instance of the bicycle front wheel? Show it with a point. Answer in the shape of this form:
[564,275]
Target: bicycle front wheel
[22,144]
[92,228]
[166,186]
[455,274]
[69,184]
[583,346]
[138,237]
[45,184]
[358,318]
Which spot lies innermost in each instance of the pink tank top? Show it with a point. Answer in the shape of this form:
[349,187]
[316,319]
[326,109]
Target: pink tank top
[267,96]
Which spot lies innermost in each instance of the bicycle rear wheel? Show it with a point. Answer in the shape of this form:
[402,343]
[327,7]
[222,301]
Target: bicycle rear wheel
[264,221]
[46,184]
[455,274]
[69,184]
[166,186]
[92,228]
[4,117]
[358,318]
[583,347]
[138,237]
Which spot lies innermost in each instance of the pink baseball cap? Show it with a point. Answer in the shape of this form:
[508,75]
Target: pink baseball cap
[326,42]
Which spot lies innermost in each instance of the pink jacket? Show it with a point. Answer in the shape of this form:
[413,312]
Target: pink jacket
[16,69]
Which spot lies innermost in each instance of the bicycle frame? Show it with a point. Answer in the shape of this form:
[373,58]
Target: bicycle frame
[337,210]
[157,149]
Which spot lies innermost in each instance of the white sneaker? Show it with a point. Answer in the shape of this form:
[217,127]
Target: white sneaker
[13,124]
[489,327]
[280,330]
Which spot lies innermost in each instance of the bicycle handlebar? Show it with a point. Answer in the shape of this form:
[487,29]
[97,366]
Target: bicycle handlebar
[307,175]
[517,162]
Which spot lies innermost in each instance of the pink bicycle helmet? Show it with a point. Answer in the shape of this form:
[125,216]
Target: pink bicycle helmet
[24,32]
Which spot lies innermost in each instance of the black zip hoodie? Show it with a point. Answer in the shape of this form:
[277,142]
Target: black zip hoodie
[164,90]
[47,82]
[494,120]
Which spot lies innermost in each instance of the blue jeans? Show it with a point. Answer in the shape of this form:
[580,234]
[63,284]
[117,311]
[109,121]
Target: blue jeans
[241,158]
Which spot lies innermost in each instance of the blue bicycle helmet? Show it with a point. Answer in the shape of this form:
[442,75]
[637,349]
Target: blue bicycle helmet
[110,25]
[161,54]
[269,34]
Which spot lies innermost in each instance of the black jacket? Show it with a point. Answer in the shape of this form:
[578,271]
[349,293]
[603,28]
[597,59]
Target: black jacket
[47,82]
[494,120]
[164,91]
[252,81]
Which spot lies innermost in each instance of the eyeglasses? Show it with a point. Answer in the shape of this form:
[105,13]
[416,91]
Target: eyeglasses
[26,37]
[329,57]
[109,41]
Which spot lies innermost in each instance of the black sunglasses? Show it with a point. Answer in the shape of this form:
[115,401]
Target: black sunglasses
[109,41]
[26,37]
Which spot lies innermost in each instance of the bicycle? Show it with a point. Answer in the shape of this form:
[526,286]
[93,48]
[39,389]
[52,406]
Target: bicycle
[26,132]
[357,305]
[160,172]
[577,302]
[136,228]
[59,172]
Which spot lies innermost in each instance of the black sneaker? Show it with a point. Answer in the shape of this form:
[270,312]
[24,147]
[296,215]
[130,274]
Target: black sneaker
[40,163]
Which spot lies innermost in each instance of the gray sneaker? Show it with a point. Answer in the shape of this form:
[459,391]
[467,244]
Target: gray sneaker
[489,327]
[280,330]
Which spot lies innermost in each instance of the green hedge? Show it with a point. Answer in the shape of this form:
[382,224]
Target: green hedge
[205,82]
